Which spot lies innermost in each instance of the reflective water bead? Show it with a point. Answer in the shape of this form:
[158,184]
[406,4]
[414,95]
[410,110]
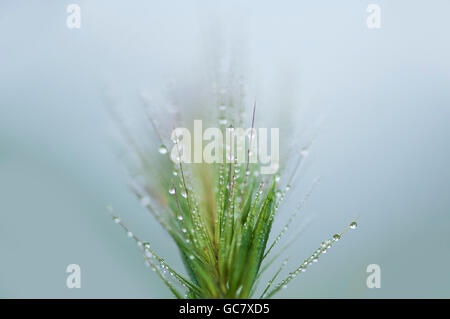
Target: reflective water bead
[162,149]
[304,152]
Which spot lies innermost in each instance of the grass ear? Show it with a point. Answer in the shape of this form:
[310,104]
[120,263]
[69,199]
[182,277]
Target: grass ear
[219,215]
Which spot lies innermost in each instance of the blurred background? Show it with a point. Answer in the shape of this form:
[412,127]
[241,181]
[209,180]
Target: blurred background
[383,151]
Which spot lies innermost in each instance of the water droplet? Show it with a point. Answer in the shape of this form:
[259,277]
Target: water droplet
[336,237]
[116,220]
[184,194]
[277,178]
[129,234]
[353,225]
[223,121]
[180,217]
[184,230]
[284,286]
[175,173]
[288,187]
[162,149]
[304,152]
[191,257]
[172,191]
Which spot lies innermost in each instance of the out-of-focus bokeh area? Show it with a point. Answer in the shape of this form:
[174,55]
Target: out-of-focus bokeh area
[383,150]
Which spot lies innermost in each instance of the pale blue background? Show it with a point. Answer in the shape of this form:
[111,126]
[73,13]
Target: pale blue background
[383,152]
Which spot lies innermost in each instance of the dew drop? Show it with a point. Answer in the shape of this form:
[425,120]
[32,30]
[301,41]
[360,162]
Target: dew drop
[180,217]
[129,234]
[172,191]
[336,237]
[353,225]
[116,220]
[191,257]
[304,152]
[162,149]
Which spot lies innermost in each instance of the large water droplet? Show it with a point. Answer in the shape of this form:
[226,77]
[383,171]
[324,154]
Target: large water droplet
[162,149]
[304,152]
